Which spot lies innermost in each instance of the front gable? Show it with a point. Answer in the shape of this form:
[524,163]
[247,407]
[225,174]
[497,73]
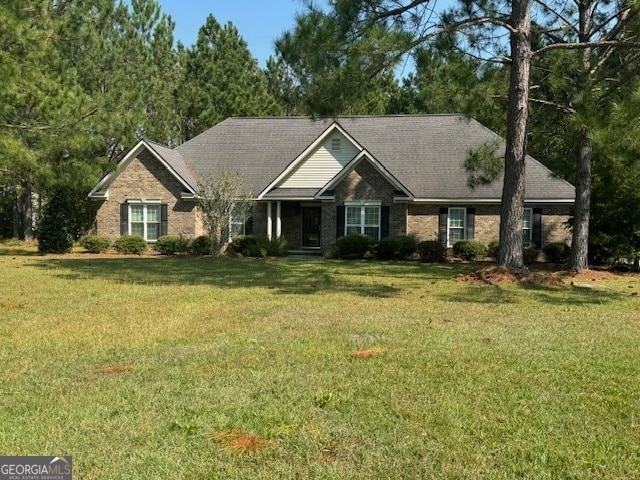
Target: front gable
[327,156]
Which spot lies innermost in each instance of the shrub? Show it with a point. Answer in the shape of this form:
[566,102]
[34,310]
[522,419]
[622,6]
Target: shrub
[431,251]
[95,244]
[261,246]
[493,249]
[130,245]
[395,248]
[353,246]
[529,255]
[557,252]
[469,249]
[200,245]
[56,228]
[171,245]
[246,245]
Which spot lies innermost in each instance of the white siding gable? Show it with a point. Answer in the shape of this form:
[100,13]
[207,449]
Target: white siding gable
[323,163]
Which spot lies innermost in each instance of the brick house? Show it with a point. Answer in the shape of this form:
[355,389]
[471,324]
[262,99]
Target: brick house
[315,180]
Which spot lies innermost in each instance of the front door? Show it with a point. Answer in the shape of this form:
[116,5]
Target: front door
[311,227]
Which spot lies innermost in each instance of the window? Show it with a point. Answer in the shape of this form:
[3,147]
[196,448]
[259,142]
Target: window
[144,220]
[335,144]
[236,224]
[527,224]
[456,227]
[363,219]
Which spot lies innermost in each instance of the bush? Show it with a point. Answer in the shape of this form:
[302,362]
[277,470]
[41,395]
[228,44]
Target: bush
[130,245]
[395,248]
[431,251]
[200,246]
[95,244]
[246,245]
[469,249]
[57,226]
[171,245]
[493,249]
[529,255]
[353,246]
[260,247]
[557,252]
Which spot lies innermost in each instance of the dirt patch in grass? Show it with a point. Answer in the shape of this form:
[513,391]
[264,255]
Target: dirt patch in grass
[368,353]
[237,441]
[499,275]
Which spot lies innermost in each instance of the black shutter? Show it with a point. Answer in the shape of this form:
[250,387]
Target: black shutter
[471,222]
[384,222]
[163,219]
[248,224]
[536,233]
[442,225]
[124,219]
[340,214]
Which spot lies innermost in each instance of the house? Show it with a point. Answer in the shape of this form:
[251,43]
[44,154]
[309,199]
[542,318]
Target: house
[315,180]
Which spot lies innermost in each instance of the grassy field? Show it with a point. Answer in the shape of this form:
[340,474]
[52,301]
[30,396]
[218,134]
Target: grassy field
[161,368]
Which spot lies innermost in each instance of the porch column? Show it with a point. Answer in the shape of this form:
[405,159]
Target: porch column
[278,219]
[269,221]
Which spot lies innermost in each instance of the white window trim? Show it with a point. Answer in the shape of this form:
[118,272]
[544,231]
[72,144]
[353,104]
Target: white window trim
[362,204]
[234,219]
[145,222]
[528,238]
[464,224]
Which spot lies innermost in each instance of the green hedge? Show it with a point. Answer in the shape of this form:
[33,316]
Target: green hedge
[431,251]
[557,252]
[171,245]
[200,246]
[469,249]
[353,246]
[395,248]
[95,243]
[130,245]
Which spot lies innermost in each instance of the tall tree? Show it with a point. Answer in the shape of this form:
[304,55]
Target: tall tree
[220,79]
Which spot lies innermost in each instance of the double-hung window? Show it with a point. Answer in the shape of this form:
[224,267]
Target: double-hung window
[237,224]
[363,218]
[144,220]
[456,228]
[527,225]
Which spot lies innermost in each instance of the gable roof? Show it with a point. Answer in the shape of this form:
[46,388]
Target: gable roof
[425,153]
[422,154]
[170,158]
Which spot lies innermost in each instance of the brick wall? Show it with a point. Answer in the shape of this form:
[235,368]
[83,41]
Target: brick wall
[146,178]
[422,223]
[362,183]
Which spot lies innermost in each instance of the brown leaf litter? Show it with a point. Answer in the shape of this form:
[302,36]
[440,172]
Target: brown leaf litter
[237,441]
[368,353]
[499,275]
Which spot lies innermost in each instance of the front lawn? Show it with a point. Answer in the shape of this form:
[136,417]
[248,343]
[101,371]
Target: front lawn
[158,368]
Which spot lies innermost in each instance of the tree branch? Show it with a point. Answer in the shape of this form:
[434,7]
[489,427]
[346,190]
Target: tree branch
[585,45]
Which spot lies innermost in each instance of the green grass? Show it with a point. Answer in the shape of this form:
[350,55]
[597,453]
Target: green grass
[473,381]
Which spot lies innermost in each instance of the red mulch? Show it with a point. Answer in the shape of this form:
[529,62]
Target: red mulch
[499,275]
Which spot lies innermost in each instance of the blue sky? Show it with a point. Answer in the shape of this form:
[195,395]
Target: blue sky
[260,22]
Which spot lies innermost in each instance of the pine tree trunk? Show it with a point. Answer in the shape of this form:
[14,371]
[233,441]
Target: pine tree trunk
[580,237]
[510,253]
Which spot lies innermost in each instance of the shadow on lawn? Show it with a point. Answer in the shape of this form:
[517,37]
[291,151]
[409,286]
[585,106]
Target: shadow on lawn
[281,275]
[568,295]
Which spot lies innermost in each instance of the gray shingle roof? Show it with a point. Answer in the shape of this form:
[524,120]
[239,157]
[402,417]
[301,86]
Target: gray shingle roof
[176,162]
[425,153]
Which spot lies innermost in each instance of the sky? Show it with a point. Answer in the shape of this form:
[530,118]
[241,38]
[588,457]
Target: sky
[259,22]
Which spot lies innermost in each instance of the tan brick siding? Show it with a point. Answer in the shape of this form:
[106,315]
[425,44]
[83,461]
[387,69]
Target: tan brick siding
[362,183]
[146,178]
[422,223]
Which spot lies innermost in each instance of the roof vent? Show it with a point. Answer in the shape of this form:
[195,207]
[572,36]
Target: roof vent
[335,144]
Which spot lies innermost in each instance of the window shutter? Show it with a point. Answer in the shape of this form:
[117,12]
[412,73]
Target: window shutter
[384,222]
[163,219]
[124,219]
[442,225]
[340,214]
[536,232]
[248,226]
[471,222]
